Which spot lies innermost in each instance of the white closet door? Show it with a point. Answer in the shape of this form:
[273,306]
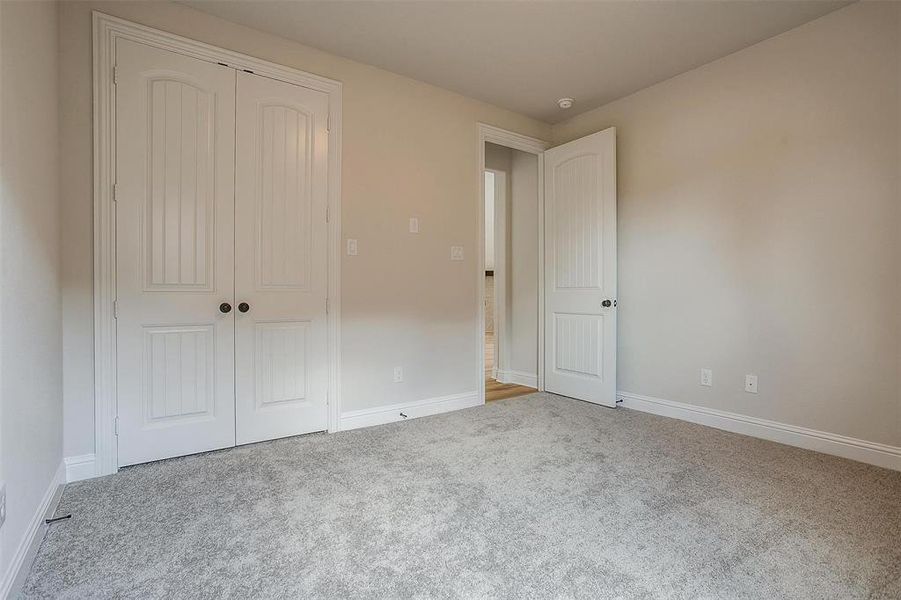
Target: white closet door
[580,268]
[174,245]
[280,270]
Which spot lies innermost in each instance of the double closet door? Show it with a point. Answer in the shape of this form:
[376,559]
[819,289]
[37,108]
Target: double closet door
[221,198]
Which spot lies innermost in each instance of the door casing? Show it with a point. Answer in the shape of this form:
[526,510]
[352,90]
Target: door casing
[107,30]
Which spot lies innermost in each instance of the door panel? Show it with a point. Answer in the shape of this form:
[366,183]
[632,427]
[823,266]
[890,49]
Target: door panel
[178,247]
[174,246]
[580,268]
[178,373]
[280,270]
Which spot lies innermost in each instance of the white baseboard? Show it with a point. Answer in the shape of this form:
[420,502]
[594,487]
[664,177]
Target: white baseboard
[519,378]
[80,467]
[881,455]
[15,575]
[422,408]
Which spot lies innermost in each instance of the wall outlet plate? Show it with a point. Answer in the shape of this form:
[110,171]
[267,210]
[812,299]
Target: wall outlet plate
[351,247]
[706,377]
[414,225]
[751,384]
[398,374]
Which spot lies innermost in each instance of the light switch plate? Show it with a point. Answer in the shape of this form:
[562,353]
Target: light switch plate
[351,247]
[456,252]
[414,225]
[751,384]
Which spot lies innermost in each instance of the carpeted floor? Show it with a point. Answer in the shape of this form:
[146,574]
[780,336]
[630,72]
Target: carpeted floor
[537,497]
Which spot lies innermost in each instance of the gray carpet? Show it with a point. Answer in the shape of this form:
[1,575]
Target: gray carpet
[534,497]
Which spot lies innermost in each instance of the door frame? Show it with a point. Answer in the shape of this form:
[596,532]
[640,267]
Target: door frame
[106,31]
[500,269]
[524,143]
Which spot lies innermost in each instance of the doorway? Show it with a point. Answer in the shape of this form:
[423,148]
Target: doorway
[576,267]
[511,257]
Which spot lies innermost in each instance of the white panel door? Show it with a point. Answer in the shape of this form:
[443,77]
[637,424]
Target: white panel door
[280,269]
[174,246]
[580,268]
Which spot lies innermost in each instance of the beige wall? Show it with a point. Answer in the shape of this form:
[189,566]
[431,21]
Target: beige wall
[409,150]
[758,232]
[759,227]
[523,218]
[30,329]
[497,158]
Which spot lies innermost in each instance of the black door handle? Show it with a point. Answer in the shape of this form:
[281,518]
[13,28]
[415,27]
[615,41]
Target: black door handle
[225,308]
[243,307]
[606,303]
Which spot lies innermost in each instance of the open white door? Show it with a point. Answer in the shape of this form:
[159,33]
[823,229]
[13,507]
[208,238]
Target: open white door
[580,268]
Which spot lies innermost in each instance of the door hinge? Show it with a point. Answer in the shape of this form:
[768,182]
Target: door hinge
[116,425]
[115,309]
[115,192]
[326,214]
[328,123]
[326,306]
[116,75]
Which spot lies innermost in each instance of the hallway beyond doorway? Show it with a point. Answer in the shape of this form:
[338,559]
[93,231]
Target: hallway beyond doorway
[495,390]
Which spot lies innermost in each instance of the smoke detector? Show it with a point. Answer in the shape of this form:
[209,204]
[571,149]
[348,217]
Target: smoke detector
[565,102]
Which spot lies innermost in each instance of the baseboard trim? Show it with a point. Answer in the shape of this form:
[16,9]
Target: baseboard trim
[21,561]
[519,378]
[422,408]
[881,455]
[80,467]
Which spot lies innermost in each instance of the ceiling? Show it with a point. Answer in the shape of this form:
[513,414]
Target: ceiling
[525,55]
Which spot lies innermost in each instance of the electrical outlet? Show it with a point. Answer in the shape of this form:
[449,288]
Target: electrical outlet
[456,252]
[351,247]
[398,374]
[751,384]
[2,504]
[414,225]
[706,377]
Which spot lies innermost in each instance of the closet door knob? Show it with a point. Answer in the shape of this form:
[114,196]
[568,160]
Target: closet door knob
[225,308]
[606,303]
[243,307]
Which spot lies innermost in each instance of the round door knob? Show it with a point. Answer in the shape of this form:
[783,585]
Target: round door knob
[225,308]
[243,307]
[606,303]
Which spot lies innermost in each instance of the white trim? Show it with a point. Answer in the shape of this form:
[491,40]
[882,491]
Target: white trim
[80,467]
[873,453]
[422,408]
[518,377]
[20,565]
[509,139]
[107,30]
